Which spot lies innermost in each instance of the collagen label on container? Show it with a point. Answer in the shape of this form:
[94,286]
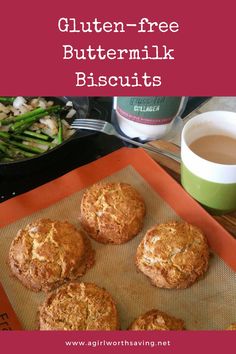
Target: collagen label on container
[149,110]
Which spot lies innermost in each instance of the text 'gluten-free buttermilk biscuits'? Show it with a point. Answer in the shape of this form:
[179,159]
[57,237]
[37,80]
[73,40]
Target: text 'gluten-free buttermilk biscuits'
[112,212]
[156,320]
[47,253]
[173,255]
[79,306]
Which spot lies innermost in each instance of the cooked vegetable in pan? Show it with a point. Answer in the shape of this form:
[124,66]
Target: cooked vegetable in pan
[31,126]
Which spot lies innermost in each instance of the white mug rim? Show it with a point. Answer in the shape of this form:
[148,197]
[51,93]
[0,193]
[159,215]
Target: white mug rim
[211,171]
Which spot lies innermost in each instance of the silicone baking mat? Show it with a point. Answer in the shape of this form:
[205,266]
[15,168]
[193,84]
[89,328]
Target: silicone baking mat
[209,304]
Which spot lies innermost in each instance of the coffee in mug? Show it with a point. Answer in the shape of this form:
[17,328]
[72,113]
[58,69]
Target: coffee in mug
[208,160]
[216,148]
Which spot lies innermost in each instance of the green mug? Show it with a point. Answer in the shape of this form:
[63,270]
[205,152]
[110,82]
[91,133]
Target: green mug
[212,184]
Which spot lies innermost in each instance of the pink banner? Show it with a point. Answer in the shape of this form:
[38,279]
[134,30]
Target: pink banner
[117,48]
[118,342]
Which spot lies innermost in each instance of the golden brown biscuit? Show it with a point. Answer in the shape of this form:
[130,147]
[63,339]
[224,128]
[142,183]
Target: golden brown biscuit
[232,327]
[79,306]
[173,255]
[156,320]
[112,212]
[47,253]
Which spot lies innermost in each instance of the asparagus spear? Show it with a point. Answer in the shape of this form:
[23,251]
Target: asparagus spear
[4,135]
[32,119]
[3,148]
[20,117]
[33,140]
[7,99]
[24,127]
[60,131]
[37,135]
[21,152]
[29,120]
[26,147]
[13,152]
[28,115]
[6,159]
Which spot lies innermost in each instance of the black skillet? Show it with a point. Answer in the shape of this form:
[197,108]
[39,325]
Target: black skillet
[83,107]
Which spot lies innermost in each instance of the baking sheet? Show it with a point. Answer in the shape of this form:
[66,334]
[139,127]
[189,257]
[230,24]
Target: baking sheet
[208,304]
